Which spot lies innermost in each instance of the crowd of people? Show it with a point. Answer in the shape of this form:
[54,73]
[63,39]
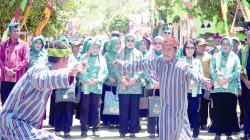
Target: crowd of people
[180,76]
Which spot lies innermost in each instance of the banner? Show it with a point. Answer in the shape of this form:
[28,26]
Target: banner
[47,12]
[224,14]
[23,4]
[25,14]
[246,5]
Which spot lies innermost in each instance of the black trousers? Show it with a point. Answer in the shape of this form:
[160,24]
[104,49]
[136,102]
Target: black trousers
[153,121]
[194,112]
[78,105]
[6,88]
[204,109]
[63,116]
[241,109]
[52,108]
[223,106]
[246,102]
[113,119]
[93,100]
[129,113]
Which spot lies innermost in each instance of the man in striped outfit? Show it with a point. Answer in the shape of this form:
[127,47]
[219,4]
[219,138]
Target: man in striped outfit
[22,114]
[174,77]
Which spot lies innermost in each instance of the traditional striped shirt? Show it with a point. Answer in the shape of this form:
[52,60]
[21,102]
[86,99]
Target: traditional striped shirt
[22,114]
[13,56]
[174,78]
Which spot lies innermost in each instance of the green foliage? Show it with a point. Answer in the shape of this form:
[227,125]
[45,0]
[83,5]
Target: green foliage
[209,10]
[119,22]
[54,26]
[100,12]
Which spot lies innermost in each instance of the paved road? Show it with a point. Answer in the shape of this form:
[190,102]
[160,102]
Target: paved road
[107,134]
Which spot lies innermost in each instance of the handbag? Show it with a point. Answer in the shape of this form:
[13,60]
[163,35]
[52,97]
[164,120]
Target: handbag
[207,95]
[68,95]
[144,101]
[154,107]
[111,103]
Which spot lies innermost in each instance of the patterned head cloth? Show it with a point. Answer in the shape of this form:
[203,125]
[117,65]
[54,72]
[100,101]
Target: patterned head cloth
[171,41]
[56,52]
[13,26]
[218,36]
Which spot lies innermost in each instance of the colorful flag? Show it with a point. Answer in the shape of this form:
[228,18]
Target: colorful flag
[185,16]
[224,14]
[246,5]
[187,3]
[47,12]
[26,14]
[6,33]
[17,13]
[23,5]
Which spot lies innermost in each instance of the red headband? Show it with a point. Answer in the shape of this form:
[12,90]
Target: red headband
[171,41]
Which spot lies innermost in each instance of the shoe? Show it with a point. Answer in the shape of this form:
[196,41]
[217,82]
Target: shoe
[132,135]
[211,131]
[59,135]
[195,137]
[204,128]
[217,138]
[229,138]
[68,136]
[111,127]
[122,135]
[234,133]
[84,134]
[117,126]
[152,136]
[246,137]
[96,133]
[242,127]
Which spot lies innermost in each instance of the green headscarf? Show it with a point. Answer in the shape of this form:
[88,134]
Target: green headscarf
[104,47]
[137,45]
[33,44]
[98,42]
[225,55]
[85,45]
[111,47]
[126,37]
[218,47]
[162,39]
[59,36]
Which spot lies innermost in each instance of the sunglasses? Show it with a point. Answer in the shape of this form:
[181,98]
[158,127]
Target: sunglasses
[167,33]
[190,48]
[158,43]
[131,41]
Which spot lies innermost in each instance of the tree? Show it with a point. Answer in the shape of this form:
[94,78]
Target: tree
[119,22]
[57,20]
[100,13]
[205,9]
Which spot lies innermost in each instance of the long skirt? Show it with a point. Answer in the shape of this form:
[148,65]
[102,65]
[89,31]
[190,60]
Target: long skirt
[174,124]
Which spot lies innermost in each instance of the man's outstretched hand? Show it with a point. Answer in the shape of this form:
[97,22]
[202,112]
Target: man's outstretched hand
[116,63]
[78,68]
